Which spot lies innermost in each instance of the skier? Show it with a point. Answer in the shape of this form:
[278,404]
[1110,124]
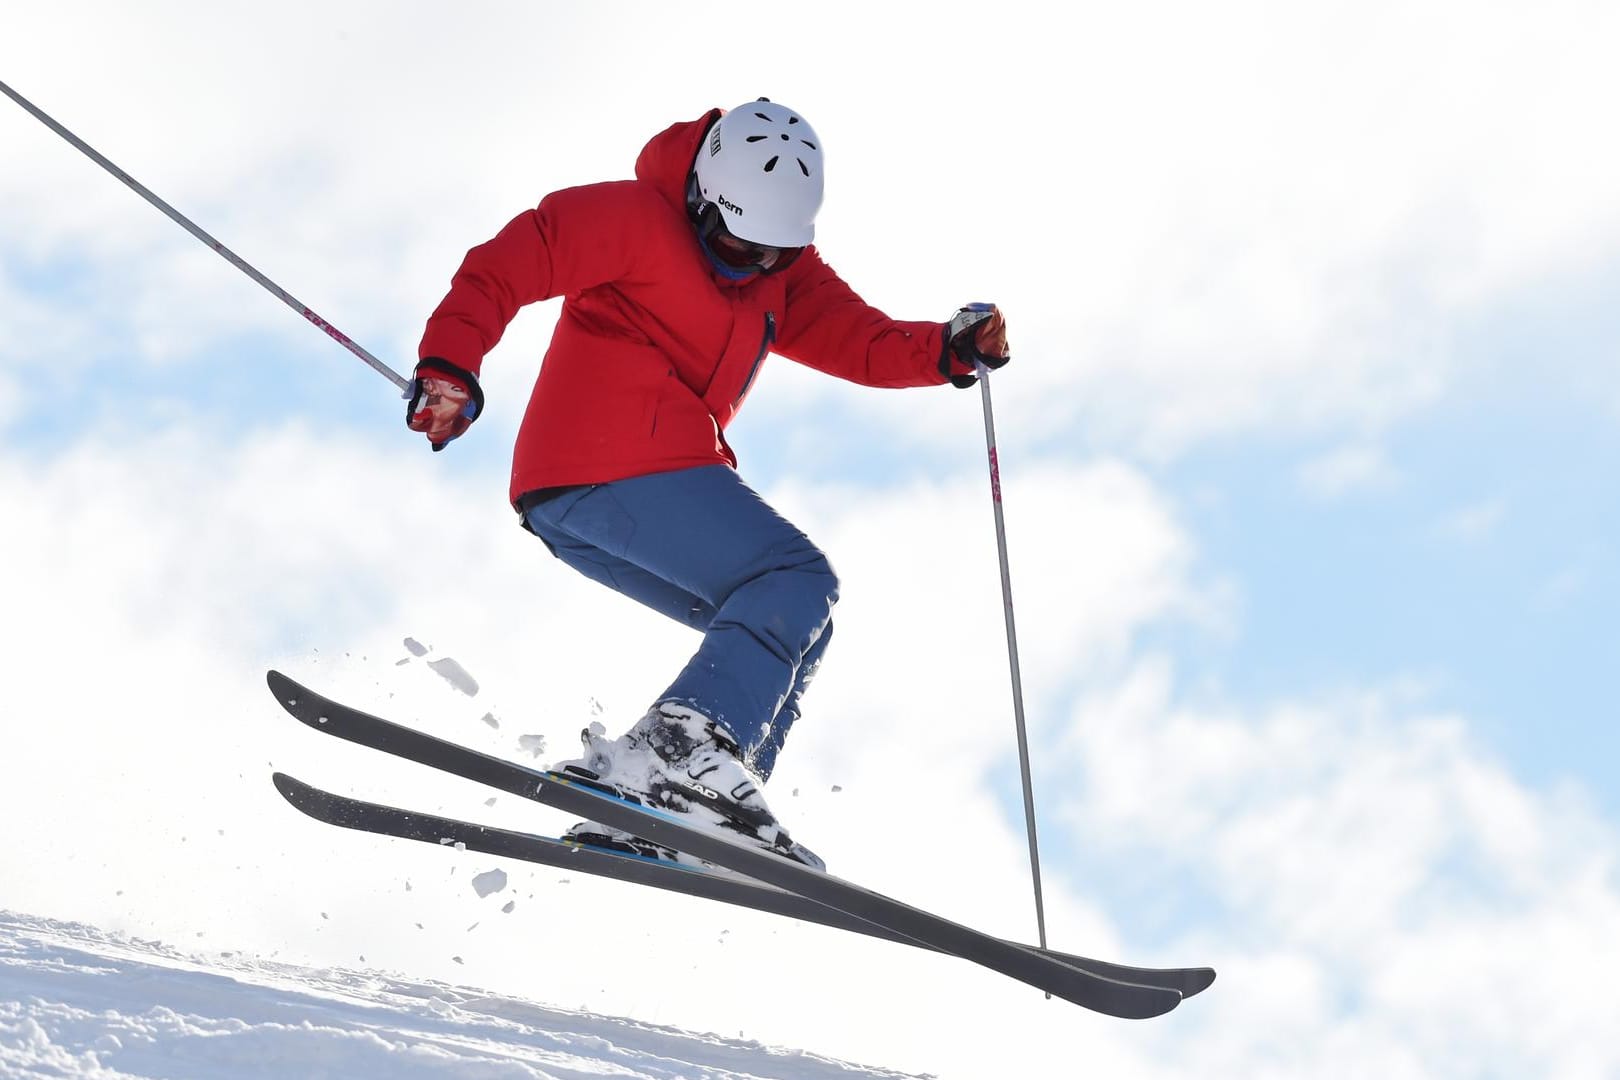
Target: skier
[676,286]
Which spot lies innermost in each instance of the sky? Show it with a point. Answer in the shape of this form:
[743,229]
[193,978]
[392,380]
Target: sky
[1306,448]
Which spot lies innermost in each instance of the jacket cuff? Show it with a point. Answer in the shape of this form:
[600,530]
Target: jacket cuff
[952,366]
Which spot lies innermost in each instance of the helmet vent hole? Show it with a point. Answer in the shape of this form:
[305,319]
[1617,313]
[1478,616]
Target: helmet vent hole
[771,164]
[793,119]
[763,117]
[802,166]
[754,138]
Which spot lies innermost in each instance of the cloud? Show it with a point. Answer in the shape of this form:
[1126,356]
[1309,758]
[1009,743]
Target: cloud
[1471,524]
[1280,251]
[13,402]
[1347,469]
[1280,227]
[1564,586]
[1424,905]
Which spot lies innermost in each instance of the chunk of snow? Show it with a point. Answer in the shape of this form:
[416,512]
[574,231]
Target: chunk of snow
[456,675]
[490,881]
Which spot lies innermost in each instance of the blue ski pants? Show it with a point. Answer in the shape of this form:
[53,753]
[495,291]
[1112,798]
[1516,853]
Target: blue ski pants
[703,548]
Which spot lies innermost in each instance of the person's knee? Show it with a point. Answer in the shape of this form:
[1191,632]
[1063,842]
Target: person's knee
[827,584]
[817,589]
[791,605]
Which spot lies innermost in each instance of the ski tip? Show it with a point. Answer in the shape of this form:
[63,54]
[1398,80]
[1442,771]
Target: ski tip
[1197,981]
[1169,1003]
[1167,994]
[296,699]
[1186,981]
[1123,1001]
[295,791]
[292,789]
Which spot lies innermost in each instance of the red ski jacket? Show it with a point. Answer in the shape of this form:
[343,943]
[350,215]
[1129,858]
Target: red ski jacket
[654,350]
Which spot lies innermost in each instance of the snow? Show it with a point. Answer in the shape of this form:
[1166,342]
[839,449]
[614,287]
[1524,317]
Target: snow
[448,669]
[490,881]
[77,1001]
[454,674]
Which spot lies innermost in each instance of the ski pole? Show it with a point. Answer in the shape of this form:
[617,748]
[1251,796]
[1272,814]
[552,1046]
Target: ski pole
[1012,652]
[230,256]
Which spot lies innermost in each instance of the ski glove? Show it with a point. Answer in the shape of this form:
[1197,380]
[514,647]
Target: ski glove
[444,401]
[976,334]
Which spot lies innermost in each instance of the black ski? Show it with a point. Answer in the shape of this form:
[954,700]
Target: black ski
[1097,992]
[711,884]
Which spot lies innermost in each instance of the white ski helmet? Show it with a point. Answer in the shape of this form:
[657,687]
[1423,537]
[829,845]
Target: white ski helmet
[760,165]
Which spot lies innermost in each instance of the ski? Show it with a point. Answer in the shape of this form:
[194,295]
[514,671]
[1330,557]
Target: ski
[707,883]
[1097,992]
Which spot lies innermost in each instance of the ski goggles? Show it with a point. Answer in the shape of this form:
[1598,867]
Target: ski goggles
[744,257]
[740,254]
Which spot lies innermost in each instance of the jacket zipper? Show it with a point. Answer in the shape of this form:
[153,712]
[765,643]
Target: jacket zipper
[764,350]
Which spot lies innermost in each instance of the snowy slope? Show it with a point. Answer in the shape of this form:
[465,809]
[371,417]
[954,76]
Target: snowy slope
[76,1001]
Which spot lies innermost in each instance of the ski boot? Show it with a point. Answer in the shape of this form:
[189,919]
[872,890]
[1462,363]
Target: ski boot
[677,759]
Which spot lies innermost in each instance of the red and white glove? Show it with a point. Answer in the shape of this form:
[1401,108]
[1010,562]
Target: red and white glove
[444,401]
[976,334]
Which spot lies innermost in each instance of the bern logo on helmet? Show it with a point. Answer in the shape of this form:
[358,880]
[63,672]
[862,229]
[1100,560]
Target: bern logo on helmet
[729,205]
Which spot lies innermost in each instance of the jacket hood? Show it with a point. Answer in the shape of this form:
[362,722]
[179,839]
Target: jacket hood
[666,160]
